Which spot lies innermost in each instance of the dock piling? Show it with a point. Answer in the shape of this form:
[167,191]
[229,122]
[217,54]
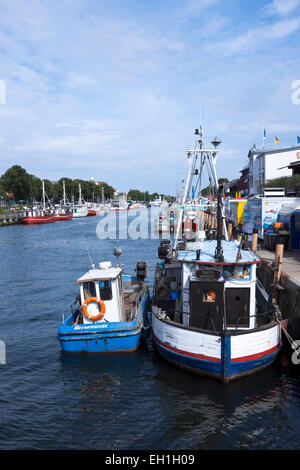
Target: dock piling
[278,259]
[254,240]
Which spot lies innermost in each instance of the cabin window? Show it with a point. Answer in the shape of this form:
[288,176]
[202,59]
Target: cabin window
[105,290]
[206,305]
[89,290]
[237,271]
[209,295]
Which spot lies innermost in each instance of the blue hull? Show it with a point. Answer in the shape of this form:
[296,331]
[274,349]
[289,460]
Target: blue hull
[224,369]
[105,337]
[119,337]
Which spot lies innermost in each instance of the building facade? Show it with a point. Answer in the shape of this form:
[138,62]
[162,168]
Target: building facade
[265,165]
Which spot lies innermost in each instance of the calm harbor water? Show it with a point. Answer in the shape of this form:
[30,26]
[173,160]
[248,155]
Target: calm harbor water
[50,400]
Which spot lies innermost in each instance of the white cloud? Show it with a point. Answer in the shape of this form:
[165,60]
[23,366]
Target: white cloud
[261,36]
[109,85]
[283,7]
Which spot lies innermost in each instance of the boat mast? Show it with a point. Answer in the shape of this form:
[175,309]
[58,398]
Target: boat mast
[205,155]
[43,192]
[79,199]
[191,157]
[64,193]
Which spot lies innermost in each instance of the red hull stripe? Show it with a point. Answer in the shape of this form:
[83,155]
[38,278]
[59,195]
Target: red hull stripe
[255,356]
[63,216]
[38,220]
[189,354]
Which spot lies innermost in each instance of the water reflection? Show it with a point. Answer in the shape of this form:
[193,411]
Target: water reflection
[132,401]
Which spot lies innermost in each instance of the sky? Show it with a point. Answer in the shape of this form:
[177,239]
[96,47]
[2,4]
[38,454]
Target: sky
[113,89]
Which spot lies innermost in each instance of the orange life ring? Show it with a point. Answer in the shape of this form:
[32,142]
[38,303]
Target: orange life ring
[90,316]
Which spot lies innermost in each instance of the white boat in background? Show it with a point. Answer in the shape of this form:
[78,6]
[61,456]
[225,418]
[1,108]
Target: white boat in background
[80,209]
[162,223]
[118,205]
[159,203]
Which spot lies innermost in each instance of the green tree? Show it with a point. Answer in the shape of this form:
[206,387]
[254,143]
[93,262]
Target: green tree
[16,180]
[289,183]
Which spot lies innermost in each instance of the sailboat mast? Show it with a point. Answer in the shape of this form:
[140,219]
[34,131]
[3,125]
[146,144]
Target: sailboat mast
[43,191]
[64,193]
[79,199]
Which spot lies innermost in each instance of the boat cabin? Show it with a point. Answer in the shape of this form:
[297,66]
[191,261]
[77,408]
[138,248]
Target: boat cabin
[105,283]
[210,295]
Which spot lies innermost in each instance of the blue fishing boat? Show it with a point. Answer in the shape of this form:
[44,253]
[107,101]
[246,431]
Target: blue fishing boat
[110,314]
[210,313]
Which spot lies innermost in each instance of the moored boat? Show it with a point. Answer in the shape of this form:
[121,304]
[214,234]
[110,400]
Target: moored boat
[162,223]
[112,311]
[210,314]
[63,211]
[63,214]
[38,214]
[80,209]
[91,213]
[205,317]
[119,205]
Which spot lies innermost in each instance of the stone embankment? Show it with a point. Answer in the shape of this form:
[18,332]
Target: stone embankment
[10,218]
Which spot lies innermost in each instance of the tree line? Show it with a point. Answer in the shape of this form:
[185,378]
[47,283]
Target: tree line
[21,186]
[289,183]
[16,183]
[139,196]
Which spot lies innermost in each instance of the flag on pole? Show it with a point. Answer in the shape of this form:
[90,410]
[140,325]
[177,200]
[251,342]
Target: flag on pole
[263,141]
[276,140]
[298,139]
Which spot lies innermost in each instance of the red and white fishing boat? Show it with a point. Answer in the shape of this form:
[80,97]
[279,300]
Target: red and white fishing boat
[63,214]
[38,215]
[91,213]
[63,211]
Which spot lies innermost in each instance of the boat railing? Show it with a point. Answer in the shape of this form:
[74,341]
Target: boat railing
[71,307]
[266,317]
[204,317]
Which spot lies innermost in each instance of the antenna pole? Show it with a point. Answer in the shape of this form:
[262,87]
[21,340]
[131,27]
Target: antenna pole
[219,251]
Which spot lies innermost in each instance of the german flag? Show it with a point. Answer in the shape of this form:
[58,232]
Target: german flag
[276,140]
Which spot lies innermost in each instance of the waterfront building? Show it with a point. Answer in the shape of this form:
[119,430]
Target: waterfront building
[265,165]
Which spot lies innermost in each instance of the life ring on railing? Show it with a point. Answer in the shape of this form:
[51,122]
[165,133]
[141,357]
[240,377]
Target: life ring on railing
[91,316]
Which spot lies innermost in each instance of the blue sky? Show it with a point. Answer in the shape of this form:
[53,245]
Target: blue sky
[113,89]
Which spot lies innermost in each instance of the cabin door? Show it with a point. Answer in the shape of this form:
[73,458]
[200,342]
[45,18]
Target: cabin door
[237,306]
